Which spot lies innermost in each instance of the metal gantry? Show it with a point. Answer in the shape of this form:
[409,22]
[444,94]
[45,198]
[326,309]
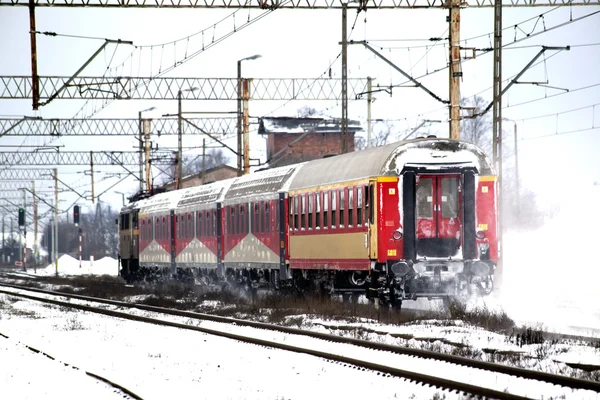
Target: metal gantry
[121,158]
[276,4]
[25,174]
[140,88]
[109,126]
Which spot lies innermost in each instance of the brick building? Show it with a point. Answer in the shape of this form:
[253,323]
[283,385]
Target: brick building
[292,140]
[210,175]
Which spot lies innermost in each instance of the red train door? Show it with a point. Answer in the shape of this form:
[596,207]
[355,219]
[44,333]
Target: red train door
[438,210]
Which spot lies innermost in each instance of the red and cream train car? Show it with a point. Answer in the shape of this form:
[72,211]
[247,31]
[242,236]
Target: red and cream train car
[406,220]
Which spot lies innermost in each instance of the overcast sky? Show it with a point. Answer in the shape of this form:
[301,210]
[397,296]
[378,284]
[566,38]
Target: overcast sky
[304,44]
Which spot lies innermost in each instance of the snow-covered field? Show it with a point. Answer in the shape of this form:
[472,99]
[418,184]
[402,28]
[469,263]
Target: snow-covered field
[158,362]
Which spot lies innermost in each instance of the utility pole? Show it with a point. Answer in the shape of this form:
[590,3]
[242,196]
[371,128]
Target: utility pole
[246,124]
[3,242]
[24,250]
[147,155]
[179,142]
[344,132]
[35,84]
[55,241]
[369,101]
[497,129]
[203,160]
[12,235]
[92,173]
[35,229]
[517,174]
[455,69]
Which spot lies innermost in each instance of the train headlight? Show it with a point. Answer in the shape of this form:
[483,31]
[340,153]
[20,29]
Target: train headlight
[480,268]
[480,235]
[397,235]
[401,269]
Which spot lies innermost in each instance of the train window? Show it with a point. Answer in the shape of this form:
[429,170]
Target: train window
[370,203]
[214,223]
[359,205]
[200,224]
[157,234]
[267,217]
[296,212]
[169,233]
[135,220]
[425,198]
[241,219]
[206,223]
[256,218]
[189,226]
[325,209]
[449,197]
[303,211]
[261,217]
[342,206]
[310,209]
[333,207]
[351,206]
[318,210]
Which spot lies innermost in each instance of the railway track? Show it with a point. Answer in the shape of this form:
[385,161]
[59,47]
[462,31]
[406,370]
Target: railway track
[384,360]
[98,377]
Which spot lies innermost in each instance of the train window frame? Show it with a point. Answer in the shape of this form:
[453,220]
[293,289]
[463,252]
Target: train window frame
[199,222]
[325,209]
[318,210]
[359,206]
[254,221]
[188,226]
[334,210]
[214,223]
[351,208]
[303,211]
[310,200]
[268,217]
[342,202]
[296,213]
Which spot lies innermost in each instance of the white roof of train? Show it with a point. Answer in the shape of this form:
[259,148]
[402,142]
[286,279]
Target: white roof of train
[379,161]
[391,160]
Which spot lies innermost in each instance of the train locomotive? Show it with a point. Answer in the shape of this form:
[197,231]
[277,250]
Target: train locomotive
[402,221]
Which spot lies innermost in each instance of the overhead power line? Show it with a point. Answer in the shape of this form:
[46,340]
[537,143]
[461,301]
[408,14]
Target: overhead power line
[276,4]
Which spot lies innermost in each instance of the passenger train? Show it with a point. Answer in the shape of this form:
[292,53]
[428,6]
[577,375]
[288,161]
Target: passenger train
[402,221]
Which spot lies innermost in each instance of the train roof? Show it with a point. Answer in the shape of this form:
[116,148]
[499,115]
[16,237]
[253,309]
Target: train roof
[390,160]
[265,182]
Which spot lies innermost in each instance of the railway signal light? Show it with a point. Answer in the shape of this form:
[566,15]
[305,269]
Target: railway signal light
[21,217]
[76,215]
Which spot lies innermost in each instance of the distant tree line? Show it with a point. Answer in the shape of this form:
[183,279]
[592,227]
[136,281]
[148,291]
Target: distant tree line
[99,234]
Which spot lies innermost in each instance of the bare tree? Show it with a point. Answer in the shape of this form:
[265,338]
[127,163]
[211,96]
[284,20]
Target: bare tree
[476,130]
[381,132]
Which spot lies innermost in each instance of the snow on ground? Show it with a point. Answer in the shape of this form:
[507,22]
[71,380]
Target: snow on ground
[159,362]
[68,265]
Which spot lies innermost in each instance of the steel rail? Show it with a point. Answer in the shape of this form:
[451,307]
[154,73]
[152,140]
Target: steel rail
[93,375]
[561,380]
[438,382]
